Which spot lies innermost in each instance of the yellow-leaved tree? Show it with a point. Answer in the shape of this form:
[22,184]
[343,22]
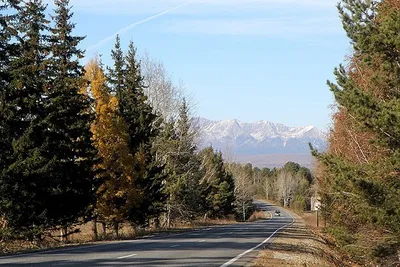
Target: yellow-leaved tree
[117,193]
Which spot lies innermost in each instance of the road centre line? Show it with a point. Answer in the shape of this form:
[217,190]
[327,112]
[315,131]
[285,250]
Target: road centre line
[127,256]
[259,245]
[175,246]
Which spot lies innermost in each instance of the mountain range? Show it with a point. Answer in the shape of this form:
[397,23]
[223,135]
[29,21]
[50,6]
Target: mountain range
[259,138]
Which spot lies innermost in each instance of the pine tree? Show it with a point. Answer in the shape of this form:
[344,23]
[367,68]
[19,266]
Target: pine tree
[68,138]
[360,187]
[116,74]
[143,128]
[217,184]
[24,179]
[183,165]
[8,50]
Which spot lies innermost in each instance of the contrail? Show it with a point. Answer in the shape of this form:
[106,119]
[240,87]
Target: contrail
[127,28]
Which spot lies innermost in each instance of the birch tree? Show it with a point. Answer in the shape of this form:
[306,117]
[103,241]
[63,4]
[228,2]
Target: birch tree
[287,185]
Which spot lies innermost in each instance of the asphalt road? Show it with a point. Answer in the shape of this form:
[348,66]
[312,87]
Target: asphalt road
[221,246]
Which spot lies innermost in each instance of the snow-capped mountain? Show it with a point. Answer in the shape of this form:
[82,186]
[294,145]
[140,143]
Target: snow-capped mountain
[261,137]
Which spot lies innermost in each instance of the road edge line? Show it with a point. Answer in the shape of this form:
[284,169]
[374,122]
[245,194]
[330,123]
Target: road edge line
[259,245]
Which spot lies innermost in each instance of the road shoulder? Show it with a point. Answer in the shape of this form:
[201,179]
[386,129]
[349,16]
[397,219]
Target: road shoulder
[296,245]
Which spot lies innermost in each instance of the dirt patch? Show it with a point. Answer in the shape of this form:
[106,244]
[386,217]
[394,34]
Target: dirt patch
[297,246]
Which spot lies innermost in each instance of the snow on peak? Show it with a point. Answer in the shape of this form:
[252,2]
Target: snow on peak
[259,137]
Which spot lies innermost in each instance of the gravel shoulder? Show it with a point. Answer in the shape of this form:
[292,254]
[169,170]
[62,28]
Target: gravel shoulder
[295,246]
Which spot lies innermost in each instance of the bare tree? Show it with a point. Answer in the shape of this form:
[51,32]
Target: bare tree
[162,94]
[244,190]
[287,185]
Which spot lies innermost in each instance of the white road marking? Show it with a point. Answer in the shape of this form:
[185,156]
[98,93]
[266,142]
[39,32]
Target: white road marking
[127,256]
[256,247]
[175,246]
[208,229]
[202,241]
[231,233]
[64,249]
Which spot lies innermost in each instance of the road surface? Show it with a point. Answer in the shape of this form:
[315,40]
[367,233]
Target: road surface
[220,246]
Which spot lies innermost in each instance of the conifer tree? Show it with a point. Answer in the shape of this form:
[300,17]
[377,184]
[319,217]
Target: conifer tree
[360,187]
[143,128]
[183,164]
[117,193]
[68,138]
[217,184]
[8,51]
[24,179]
[116,74]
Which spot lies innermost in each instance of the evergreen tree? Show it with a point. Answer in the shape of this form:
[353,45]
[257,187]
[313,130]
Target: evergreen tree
[143,128]
[117,193]
[68,144]
[116,74]
[218,185]
[184,185]
[360,189]
[24,183]
[8,51]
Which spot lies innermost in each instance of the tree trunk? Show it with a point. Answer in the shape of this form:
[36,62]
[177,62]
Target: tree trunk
[94,230]
[116,229]
[168,216]
[64,234]
[244,211]
[157,223]
[285,202]
[104,226]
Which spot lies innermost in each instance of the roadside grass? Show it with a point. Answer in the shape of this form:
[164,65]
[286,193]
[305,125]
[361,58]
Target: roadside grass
[295,246]
[259,215]
[302,244]
[84,235]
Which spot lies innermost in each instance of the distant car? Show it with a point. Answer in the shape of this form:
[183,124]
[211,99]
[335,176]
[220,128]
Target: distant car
[277,213]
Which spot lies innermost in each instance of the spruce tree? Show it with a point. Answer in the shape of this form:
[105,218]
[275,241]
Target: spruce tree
[68,138]
[116,74]
[8,51]
[143,128]
[186,166]
[217,184]
[24,178]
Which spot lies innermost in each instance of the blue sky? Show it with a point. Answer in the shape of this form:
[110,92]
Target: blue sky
[240,59]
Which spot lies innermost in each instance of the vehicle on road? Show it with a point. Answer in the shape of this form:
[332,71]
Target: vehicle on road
[277,213]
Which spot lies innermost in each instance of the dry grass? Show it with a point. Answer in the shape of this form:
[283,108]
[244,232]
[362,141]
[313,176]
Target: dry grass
[85,235]
[259,215]
[310,219]
[297,246]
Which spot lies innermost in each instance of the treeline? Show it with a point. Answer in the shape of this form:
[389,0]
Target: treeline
[359,179]
[110,145]
[291,186]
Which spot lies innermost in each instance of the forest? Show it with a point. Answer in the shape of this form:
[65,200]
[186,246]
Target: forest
[117,145]
[108,145]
